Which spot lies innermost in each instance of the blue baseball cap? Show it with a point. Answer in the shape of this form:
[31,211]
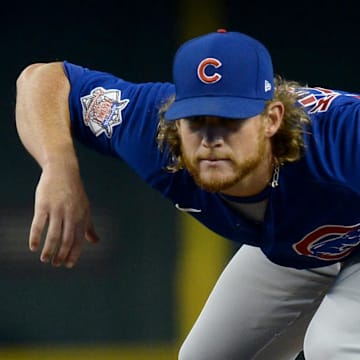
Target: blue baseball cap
[224,74]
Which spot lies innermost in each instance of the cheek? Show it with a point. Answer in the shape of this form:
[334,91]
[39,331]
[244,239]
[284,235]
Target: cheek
[189,141]
[245,145]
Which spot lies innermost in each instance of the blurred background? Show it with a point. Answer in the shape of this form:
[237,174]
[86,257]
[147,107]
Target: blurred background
[137,293]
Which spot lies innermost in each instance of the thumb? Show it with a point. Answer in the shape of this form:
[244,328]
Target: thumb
[90,234]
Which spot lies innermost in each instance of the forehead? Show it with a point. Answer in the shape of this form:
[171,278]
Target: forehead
[215,119]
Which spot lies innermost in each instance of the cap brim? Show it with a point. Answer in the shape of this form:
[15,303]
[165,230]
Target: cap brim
[227,107]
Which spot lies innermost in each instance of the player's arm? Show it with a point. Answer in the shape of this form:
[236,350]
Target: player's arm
[62,212]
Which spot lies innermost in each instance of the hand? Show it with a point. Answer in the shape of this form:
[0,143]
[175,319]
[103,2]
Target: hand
[61,216]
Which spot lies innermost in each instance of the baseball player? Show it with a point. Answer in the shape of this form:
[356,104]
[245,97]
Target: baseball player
[262,161]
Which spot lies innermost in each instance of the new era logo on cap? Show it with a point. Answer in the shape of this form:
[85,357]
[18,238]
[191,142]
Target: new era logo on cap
[267,86]
[225,74]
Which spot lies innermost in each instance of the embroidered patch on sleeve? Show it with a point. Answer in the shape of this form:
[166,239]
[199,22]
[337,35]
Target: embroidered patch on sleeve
[102,110]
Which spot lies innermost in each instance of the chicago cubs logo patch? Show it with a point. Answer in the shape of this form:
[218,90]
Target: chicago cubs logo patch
[316,99]
[206,73]
[102,110]
[329,242]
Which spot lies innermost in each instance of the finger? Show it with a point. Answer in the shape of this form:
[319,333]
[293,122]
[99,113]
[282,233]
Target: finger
[67,241]
[37,229]
[75,251]
[53,239]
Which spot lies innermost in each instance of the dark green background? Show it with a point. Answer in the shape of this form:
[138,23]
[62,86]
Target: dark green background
[123,289]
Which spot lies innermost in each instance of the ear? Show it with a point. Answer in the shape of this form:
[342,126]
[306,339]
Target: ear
[177,123]
[273,117]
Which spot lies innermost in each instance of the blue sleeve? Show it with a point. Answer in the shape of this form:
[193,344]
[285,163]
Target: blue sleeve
[119,118]
[335,135]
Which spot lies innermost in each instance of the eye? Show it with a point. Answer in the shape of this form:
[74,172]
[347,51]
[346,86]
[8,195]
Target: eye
[193,119]
[232,124]
[194,122]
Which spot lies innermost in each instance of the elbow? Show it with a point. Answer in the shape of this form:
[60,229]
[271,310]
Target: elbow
[39,73]
[27,73]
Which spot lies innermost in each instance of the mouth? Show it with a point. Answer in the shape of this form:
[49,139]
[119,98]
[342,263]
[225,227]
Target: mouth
[211,157]
[212,161]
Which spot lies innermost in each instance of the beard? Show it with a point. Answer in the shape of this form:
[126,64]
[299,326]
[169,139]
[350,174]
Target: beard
[216,180]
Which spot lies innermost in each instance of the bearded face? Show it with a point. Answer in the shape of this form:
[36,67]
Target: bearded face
[221,153]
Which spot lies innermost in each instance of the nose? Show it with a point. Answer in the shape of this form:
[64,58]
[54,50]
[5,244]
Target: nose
[212,135]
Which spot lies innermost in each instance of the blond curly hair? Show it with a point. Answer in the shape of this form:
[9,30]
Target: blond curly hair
[287,143]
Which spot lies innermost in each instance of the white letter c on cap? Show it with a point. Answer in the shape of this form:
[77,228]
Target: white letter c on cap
[209,79]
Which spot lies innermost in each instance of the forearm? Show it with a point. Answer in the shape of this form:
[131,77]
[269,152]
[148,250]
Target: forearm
[42,114]
[61,211]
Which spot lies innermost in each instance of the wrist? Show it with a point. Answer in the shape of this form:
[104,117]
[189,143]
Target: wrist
[65,158]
